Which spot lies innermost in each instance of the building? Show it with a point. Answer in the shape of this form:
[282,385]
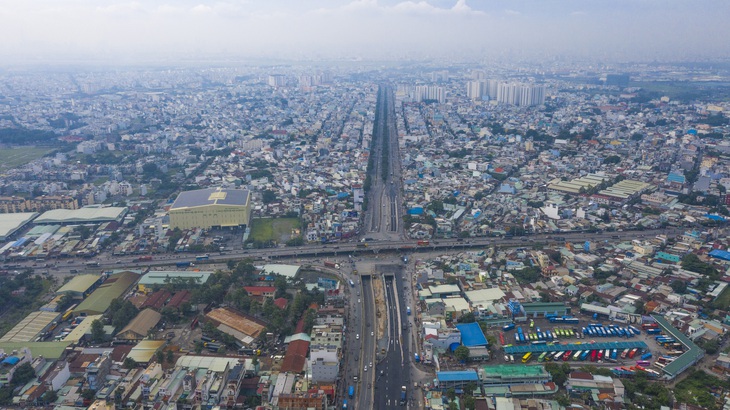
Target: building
[455,379]
[30,328]
[97,371]
[239,325]
[81,286]
[10,205]
[10,364]
[208,208]
[138,328]
[113,287]
[11,223]
[508,375]
[88,214]
[154,279]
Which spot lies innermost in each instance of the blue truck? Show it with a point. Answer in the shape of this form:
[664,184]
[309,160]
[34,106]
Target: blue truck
[508,327]
[183,264]
[202,257]
[403,396]
[344,404]
[408,310]
[646,356]
[351,391]
[653,331]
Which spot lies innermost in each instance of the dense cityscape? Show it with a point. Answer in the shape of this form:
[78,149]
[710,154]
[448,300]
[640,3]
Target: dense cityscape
[329,236]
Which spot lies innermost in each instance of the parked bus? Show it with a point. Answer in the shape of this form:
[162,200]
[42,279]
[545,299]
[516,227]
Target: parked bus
[526,358]
[643,363]
[558,356]
[577,354]
[541,358]
[68,313]
[632,353]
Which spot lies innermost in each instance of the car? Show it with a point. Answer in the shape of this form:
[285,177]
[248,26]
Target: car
[358,301]
[506,358]
[371,364]
[372,333]
[365,369]
[357,336]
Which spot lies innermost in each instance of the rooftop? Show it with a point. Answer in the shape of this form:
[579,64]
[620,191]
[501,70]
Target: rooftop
[9,223]
[83,215]
[211,196]
[471,334]
[100,299]
[455,376]
[162,278]
[79,284]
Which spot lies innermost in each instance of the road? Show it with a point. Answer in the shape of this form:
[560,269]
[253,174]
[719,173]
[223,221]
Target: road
[366,346]
[393,370]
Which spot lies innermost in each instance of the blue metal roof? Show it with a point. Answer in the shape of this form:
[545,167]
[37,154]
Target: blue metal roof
[471,334]
[720,254]
[11,360]
[457,376]
[539,348]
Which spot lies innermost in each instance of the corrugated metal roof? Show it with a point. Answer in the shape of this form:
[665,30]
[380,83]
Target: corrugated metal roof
[211,196]
[86,214]
[140,325]
[471,334]
[79,284]
[114,287]
[692,355]
[456,376]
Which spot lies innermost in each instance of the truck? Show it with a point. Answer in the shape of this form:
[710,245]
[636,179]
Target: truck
[646,356]
[331,264]
[423,243]
[351,391]
[653,331]
[184,264]
[403,395]
[417,358]
[202,257]
[144,258]
[408,310]
[362,245]
[344,403]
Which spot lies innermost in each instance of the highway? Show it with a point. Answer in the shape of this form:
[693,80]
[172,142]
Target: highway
[393,370]
[367,345]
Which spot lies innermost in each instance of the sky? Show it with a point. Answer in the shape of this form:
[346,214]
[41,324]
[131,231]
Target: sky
[613,30]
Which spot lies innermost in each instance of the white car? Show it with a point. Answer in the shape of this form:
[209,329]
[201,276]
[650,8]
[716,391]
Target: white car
[372,333]
[357,336]
[365,369]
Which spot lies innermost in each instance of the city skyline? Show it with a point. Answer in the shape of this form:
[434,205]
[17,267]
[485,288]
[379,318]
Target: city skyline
[43,31]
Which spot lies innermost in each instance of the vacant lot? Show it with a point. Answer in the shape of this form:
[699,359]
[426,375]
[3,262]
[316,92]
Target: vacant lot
[273,229]
[15,157]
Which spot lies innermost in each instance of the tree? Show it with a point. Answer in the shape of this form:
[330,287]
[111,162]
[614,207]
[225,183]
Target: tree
[462,353]
[170,357]
[612,159]
[451,394]
[453,406]
[23,374]
[50,396]
[679,286]
[469,402]
[467,318]
[97,331]
[469,388]
[160,356]
[88,394]
[268,196]
[129,363]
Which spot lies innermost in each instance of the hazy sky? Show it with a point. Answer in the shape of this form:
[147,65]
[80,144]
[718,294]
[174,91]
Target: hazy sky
[304,29]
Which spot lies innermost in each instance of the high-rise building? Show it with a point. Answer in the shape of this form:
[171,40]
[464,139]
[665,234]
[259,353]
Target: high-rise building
[521,94]
[476,89]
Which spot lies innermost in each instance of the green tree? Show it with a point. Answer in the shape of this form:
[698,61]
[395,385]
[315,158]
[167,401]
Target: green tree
[97,331]
[467,318]
[612,159]
[453,406]
[679,286]
[451,394]
[268,196]
[160,356]
[469,402]
[23,374]
[129,363]
[50,396]
[170,357]
[462,353]
[88,394]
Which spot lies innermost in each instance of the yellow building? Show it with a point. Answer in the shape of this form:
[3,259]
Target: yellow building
[209,208]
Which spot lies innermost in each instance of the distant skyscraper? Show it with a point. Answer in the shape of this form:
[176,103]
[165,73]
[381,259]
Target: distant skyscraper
[476,89]
[277,80]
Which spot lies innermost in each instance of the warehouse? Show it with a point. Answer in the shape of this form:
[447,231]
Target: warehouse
[507,375]
[162,278]
[11,223]
[30,328]
[138,328]
[80,286]
[85,215]
[99,300]
[241,326]
[211,208]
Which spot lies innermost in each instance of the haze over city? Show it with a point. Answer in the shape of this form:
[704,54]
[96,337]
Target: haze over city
[119,31]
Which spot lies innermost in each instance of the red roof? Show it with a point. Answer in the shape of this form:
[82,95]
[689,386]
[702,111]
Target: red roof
[296,357]
[281,303]
[156,300]
[259,290]
[179,298]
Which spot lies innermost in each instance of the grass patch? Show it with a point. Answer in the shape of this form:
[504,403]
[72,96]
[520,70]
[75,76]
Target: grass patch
[273,229]
[723,299]
[699,389]
[14,157]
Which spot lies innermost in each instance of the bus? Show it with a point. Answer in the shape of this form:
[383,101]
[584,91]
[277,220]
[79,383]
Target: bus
[92,264]
[632,353]
[68,313]
[526,358]
[558,356]
[541,358]
[643,363]
[577,354]
[594,354]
